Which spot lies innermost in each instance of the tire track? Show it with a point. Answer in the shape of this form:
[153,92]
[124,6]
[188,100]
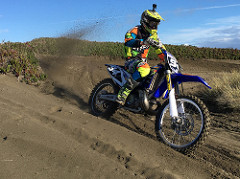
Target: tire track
[81,136]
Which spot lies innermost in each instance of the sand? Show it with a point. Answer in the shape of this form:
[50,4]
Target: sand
[48,131]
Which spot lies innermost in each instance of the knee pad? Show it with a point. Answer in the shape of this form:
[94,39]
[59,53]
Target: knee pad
[143,68]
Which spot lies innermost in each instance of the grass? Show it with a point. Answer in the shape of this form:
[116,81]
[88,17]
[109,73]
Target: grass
[225,92]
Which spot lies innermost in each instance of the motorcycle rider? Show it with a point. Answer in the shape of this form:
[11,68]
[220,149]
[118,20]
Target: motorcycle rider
[138,41]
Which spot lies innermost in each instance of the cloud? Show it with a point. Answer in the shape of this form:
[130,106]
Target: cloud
[228,37]
[217,7]
[222,43]
[224,34]
[234,20]
[207,8]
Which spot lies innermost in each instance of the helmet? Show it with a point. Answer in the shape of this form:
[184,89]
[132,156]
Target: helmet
[150,20]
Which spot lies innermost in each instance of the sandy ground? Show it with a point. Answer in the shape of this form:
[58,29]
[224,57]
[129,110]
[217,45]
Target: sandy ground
[48,132]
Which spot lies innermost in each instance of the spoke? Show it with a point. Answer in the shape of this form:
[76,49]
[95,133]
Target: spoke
[191,126]
[184,140]
[173,138]
[191,138]
[179,137]
[185,128]
[189,134]
[101,105]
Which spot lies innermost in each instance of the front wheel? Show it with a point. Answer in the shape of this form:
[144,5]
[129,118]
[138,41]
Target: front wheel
[189,130]
[101,107]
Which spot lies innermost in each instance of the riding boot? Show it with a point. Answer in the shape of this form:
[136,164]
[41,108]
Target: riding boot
[126,90]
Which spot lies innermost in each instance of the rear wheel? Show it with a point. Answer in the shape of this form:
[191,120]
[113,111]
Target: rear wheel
[189,130]
[101,107]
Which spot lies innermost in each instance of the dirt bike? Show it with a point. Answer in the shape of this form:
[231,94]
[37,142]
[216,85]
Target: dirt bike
[182,121]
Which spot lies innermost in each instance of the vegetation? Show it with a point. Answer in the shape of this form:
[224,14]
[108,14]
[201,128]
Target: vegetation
[68,46]
[19,59]
[225,90]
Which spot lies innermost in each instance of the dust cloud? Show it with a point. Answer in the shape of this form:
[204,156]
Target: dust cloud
[69,39]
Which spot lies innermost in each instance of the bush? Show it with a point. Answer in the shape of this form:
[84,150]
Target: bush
[71,46]
[19,59]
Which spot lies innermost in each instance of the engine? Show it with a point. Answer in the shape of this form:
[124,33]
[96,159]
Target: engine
[133,100]
[138,99]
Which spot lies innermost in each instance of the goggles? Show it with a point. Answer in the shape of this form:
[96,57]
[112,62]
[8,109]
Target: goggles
[153,24]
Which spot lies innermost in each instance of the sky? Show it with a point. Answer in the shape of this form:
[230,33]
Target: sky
[202,23]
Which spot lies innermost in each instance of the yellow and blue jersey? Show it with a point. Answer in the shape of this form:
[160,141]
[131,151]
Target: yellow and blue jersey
[134,48]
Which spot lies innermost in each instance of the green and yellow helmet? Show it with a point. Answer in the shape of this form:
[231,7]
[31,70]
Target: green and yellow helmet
[150,20]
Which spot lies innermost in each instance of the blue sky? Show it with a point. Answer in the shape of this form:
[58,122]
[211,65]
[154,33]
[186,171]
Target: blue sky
[204,23]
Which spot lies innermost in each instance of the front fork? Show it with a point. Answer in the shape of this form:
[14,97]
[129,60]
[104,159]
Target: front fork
[174,109]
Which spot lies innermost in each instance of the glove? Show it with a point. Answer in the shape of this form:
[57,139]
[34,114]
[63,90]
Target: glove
[150,41]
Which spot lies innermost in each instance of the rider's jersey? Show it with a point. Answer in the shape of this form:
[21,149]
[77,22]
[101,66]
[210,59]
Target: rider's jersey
[133,47]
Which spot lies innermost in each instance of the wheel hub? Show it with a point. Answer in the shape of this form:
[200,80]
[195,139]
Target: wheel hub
[182,125]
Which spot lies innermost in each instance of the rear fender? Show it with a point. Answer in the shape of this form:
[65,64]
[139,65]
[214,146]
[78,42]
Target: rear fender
[118,74]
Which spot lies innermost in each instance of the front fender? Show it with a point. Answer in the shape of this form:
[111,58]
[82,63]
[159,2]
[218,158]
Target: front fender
[179,78]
